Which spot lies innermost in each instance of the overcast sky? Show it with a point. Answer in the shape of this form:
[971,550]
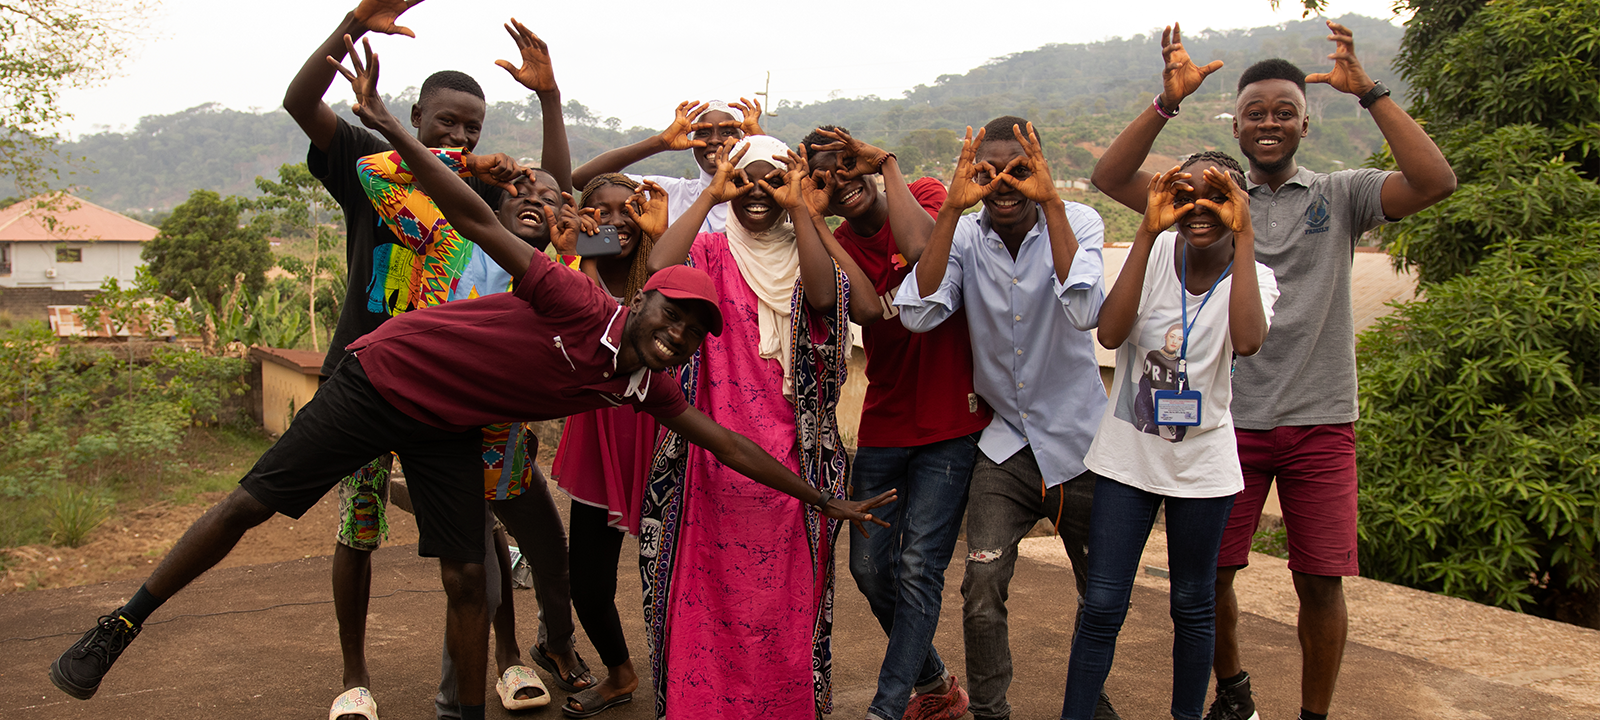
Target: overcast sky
[629,59]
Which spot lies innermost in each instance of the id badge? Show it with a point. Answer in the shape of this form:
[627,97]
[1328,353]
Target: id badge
[1177,408]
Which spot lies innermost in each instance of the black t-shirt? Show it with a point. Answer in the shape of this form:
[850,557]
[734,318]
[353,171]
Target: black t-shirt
[378,264]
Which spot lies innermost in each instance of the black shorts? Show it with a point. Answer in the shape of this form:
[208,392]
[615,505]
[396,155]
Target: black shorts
[347,424]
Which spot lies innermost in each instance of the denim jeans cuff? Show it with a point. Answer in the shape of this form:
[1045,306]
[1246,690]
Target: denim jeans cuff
[932,684]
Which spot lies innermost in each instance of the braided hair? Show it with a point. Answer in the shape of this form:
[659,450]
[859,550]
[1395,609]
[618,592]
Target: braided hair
[1220,158]
[639,271]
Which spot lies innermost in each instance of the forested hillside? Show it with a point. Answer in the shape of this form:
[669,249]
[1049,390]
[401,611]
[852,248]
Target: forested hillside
[1079,95]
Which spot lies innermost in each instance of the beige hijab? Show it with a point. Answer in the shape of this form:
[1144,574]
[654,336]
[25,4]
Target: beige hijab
[769,264]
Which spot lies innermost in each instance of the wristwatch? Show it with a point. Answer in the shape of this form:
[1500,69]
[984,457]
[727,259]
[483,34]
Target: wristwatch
[1379,90]
[822,499]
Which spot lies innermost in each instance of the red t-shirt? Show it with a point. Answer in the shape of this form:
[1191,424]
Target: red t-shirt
[545,350]
[919,385]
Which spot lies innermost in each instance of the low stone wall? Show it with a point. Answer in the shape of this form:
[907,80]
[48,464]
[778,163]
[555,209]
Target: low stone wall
[29,303]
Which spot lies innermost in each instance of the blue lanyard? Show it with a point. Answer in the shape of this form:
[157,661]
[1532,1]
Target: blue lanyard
[1183,301]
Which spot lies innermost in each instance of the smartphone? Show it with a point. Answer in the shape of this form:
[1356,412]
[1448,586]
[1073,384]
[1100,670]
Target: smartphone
[601,244]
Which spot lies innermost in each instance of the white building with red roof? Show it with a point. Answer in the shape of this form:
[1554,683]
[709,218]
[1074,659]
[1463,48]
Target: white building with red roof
[64,243]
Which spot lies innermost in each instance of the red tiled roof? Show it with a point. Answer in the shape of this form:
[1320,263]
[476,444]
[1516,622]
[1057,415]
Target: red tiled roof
[75,219]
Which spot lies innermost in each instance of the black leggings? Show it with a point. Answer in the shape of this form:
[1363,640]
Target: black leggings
[593,549]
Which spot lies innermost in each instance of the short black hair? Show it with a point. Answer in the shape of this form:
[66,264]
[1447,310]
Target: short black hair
[815,138]
[1273,69]
[450,80]
[1220,158]
[1000,128]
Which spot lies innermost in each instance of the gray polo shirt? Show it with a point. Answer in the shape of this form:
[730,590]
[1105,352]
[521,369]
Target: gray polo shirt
[1305,373]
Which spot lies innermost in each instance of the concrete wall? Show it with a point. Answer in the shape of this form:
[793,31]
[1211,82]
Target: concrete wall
[31,303]
[30,262]
[283,392]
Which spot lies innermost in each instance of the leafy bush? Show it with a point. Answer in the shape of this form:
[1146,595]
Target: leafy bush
[75,512]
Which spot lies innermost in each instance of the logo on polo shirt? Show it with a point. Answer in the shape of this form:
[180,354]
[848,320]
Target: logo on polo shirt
[1317,216]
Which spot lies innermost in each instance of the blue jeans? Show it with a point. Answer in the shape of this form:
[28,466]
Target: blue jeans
[900,569]
[1120,525]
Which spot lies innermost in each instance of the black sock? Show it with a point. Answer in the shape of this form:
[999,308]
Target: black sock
[471,712]
[140,607]
[1231,681]
[1308,715]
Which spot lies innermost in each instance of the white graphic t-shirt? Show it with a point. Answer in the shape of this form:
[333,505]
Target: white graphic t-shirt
[1195,461]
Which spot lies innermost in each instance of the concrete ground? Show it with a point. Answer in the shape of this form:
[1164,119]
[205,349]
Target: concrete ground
[259,642]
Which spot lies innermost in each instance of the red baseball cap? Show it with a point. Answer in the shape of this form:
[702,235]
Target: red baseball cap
[681,282]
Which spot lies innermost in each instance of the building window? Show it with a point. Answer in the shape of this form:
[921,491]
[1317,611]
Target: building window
[5,258]
[68,254]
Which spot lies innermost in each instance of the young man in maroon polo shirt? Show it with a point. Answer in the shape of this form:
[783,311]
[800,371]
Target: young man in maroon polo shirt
[919,423]
[430,379]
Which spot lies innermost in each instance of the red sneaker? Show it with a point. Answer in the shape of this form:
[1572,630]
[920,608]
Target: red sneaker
[949,706]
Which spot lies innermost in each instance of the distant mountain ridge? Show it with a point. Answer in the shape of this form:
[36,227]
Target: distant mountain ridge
[1076,94]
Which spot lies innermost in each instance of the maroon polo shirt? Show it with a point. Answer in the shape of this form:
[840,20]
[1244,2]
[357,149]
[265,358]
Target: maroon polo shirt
[548,349]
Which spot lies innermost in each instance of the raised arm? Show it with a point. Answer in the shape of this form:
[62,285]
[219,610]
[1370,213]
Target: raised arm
[866,307]
[672,248]
[1117,174]
[537,74]
[1247,319]
[303,99]
[467,212]
[1030,175]
[964,193]
[748,459]
[911,222]
[1121,306]
[1425,177]
[678,136]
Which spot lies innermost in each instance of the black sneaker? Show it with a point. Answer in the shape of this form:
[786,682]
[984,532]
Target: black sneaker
[1234,702]
[78,671]
[1103,709]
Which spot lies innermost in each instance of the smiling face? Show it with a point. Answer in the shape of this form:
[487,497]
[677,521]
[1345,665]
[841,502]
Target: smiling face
[610,201]
[756,210]
[852,198]
[1005,206]
[523,214]
[1201,228]
[449,119]
[715,137]
[1269,121]
[665,332]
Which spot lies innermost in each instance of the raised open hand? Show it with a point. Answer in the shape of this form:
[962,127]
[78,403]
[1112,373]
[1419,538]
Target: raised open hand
[751,125]
[680,134]
[536,73]
[379,15]
[1347,75]
[1180,77]
[862,157]
[648,208]
[1030,174]
[364,81]
[965,190]
[728,182]
[787,186]
[1160,211]
[818,191]
[497,169]
[856,511]
[1235,212]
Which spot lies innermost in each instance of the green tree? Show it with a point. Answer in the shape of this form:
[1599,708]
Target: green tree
[1480,403]
[203,245]
[303,207]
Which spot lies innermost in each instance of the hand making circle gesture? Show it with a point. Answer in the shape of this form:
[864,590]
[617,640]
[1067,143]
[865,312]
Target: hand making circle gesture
[818,191]
[1029,174]
[1347,75]
[965,190]
[728,182]
[1161,210]
[791,181]
[1180,77]
[536,73]
[1235,211]
[680,134]
[648,208]
[379,15]
[864,158]
[751,109]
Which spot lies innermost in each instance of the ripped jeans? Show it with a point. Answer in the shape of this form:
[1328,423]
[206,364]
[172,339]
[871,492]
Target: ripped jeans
[1004,502]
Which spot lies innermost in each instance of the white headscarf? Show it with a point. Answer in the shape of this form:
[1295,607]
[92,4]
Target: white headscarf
[769,263]
[720,106]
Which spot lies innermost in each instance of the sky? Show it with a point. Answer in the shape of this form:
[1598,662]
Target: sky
[627,59]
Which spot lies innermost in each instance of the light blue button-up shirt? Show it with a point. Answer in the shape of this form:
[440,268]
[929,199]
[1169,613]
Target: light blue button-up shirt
[1032,353]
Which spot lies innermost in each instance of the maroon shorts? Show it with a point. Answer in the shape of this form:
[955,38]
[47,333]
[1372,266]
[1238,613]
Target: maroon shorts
[1315,467]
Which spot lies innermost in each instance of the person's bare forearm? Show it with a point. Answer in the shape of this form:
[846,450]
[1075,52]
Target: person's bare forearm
[1063,242]
[1121,306]
[816,266]
[1426,174]
[866,307]
[936,256]
[910,223]
[303,99]
[617,160]
[1117,173]
[556,156]
[672,248]
[1247,321]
